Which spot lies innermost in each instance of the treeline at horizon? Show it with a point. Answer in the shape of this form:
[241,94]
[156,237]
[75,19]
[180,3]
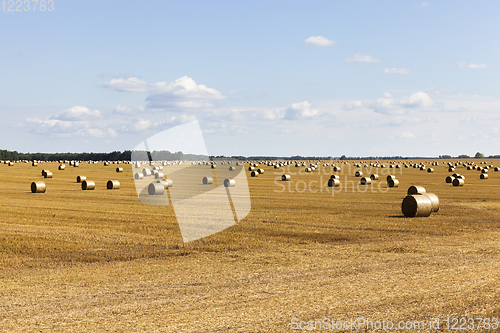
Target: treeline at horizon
[165,155]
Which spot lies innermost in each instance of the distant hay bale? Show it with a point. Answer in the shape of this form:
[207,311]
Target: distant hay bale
[332,182]
[434,201]
[451,169]
[119,169]
[358,174]
[336,169]
[207,180]
[485,170]
[430,170]
[251,168]
[146,172]
[229,183]
[449,179]
[88,185]
[335,177]
[254,174]
[365,181]
[62,167]
[38,187]
[80,179]
[483,176]
[106,163]
[261,171]
[34,164]
[138,175]
[392,182]
[156,189]
[285,177]
[416,206]
[48,174]
[232,168]
[44,171]
[159,175]
[76,165]
[214,166]
[458,182]
[374,176]
[113,185]
[416,190]
[389,177]
[309,170]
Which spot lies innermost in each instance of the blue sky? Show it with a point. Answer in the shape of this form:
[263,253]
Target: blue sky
[281,78]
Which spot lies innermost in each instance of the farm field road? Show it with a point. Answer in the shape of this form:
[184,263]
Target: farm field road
[94,261]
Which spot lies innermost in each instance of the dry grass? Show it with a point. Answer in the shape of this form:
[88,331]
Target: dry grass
[75,261]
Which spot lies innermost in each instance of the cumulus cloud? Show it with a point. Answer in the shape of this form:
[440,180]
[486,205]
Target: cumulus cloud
[395,70]
[300,111]
[76,113]
[401,121]
[406,135]
[472,65]
[138,125]
[121,109]
[182,93]
[319,41]
[387,104]
[352,105]
[418,99]
[358,57]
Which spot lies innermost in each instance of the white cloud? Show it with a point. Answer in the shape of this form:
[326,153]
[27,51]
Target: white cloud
[472,65]
[401,121]
[352,105]
[406,135]
[395,70]
[182,93]
[319,41]
[418,99]
[138,125]
[300,111]
[387,104]
[358,57]
[77,113]
[120,109]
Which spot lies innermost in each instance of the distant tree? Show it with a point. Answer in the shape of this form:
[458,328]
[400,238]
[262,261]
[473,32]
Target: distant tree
[479,155]
[343,157]
[445,157]
[463,156]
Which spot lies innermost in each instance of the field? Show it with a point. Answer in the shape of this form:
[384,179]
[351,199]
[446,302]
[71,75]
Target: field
[101,261]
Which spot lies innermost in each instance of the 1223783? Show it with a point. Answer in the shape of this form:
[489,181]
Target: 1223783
[27,5]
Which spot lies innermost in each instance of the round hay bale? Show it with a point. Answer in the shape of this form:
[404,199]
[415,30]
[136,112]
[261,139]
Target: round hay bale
[229,183]
[374,176]
[484,170]
[88,185]
[285,177]
[62,167]
[483,176]
[156,189]
[146,172]
[251,168]
[138,175]
[214,166]
[332,182]
[389,177]
[208,180]
[416,206]
[261,171]
[254,174]
[170,182]
[497,169]
[159,175]
[232,168]
[119,169]
[76,165]
[38,187]
[434,201]
[449,179]
[309,170]
[44,171]
[335,177]
[416,190]
[451,169]
[113,185]
[430,170]
[358,174]
[365,181]
[392,183]
[336,169]
[48,174]
[34,164]
[458,182]
[80,179]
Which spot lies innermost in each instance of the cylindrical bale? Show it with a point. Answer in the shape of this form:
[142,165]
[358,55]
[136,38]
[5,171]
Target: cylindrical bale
[80,179]
[232,168]
[159,175]
[285,177]
[430,170]
[34,164]
[76,165]
[261,171]
[335,177]
[88,185]
[254,174]
[43,172]
[416,206]
[113,185]
[374,176]
[449,179]
[138,175]
[336,169]
[170,182]
[38,187]
[48,174]
[163,182]
[416,190]
[458,182]
[332,182]
[358,174]
[434,201]
[483,176]
[497,169]
[229,182]
[393,183]
[251,168]
[62,167]
[365,181]
[389,177]
[208,180]
[484,170]
[146,172]
[214,166]
[119,169]
[308,170]
[156,189]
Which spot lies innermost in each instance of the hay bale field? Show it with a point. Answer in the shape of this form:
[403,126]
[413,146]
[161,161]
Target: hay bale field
[95,261]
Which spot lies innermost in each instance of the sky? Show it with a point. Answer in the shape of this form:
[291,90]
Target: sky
[274,78]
